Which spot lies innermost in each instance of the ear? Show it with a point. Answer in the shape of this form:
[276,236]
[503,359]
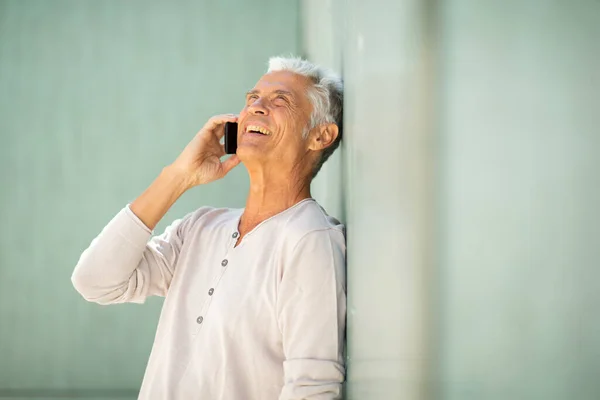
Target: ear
[323,136]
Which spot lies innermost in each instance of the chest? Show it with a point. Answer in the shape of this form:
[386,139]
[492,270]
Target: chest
[227,289]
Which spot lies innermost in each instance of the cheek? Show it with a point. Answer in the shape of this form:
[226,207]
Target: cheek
[293,118]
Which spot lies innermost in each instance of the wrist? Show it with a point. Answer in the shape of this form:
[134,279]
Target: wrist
[175,178]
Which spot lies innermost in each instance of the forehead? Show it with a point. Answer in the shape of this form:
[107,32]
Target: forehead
[283,80]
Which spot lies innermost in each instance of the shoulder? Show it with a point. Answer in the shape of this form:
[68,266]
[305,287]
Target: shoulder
[206,217]
[308,221]
[313,245]
[309,216]
[213,214]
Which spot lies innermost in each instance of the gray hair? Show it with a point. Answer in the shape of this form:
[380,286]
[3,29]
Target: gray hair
[326,96]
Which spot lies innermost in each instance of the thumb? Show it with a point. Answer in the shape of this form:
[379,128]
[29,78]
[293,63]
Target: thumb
[230,163]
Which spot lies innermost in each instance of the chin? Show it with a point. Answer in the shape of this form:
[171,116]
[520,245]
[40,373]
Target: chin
[250,152]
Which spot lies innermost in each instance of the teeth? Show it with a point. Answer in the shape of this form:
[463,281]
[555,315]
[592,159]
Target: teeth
[258,129]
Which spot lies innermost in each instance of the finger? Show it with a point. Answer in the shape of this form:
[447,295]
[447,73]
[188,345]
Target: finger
[216,123]
[222,152]
[219,132]
[230,163]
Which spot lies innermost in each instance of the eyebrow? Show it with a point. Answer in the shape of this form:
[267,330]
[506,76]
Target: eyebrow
[284,92]
[279,91]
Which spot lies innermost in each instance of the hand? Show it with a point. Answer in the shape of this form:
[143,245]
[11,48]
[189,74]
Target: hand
[200,161]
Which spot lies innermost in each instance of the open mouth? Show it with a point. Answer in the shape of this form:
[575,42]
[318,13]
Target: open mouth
[258,130]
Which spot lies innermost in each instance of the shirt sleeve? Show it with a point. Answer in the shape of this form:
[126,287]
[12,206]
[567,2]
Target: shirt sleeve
[311,310]
[125,264]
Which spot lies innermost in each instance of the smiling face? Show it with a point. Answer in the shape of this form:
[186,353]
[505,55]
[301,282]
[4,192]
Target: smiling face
[272,122]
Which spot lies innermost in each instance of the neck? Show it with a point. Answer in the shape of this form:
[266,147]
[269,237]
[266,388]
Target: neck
[271,194]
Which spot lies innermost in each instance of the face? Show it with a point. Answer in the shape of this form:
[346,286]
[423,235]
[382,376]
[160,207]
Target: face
[276,113]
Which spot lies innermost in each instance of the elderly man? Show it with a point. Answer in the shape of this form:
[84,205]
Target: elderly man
[255,298]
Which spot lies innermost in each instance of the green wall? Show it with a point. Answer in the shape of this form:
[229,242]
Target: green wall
[95,98]
[470,190]
[519,255]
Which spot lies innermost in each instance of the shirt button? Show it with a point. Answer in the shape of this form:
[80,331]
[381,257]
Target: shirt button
[199,319]
[211,291]
[235,234]
[224,262]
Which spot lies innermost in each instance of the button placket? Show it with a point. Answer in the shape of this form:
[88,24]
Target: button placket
[215,282]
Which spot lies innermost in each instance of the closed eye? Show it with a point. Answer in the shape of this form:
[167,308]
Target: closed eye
[279,99]
[250,99]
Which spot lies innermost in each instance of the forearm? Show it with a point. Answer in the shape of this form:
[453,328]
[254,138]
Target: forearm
[154,203]
[312,379]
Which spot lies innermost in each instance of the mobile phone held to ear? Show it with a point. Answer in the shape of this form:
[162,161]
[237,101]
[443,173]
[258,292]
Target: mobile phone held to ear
[231,129]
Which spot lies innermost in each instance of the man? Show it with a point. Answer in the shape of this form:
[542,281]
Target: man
[254,299]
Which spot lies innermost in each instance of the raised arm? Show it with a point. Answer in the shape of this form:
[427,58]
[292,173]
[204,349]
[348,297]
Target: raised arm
[124,264]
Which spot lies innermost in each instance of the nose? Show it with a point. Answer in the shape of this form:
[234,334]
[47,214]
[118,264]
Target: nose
[258,107]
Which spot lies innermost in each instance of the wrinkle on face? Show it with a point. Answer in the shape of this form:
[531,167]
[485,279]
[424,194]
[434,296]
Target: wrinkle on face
[280,165]
[279,99]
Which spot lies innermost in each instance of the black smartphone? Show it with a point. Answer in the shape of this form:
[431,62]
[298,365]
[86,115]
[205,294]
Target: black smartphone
[231,129]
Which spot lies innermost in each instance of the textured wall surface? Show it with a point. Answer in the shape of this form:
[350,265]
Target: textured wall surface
[388,68]
[519,258]
[95,98]
[470,192]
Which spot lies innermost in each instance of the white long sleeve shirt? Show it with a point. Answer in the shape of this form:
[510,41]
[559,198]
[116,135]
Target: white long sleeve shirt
[260,321]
